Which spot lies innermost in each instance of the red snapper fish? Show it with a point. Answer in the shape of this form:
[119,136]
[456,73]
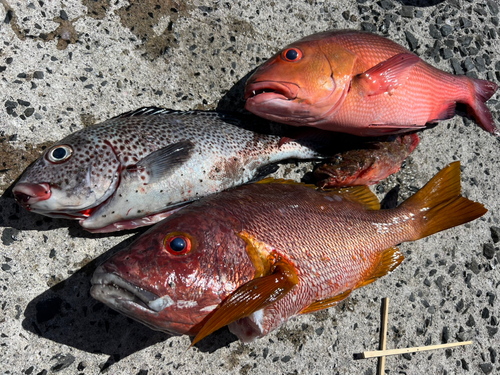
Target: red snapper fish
[255,256]
[363,84]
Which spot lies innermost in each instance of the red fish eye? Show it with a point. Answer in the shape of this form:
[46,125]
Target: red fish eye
[59,154]
[177,244]
[292,54]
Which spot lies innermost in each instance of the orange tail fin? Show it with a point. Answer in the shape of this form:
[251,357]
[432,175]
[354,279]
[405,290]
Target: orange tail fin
[439,204]
[481,91]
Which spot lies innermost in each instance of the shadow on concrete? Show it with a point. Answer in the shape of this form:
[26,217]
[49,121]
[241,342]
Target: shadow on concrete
[421,3]
[234,99]
[67,314]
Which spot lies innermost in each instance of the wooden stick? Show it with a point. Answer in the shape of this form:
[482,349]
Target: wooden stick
[381,353]
[383,334]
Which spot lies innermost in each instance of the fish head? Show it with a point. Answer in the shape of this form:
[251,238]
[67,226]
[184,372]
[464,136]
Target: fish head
[71,178]
[302,84]
[177,273]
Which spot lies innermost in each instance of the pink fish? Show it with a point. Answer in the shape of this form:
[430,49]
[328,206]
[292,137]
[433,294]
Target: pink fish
[363,84]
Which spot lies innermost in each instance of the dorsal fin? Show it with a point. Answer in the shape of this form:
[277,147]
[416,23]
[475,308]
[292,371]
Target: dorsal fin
[358,194]
[152,111]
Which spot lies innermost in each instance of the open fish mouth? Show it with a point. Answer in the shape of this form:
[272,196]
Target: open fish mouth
[270,90]
[39,198]
[123,296]
[27,194]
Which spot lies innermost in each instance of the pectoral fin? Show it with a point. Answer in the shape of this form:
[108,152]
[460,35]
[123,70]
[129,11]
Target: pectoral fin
[387,75]
[161,163]
[251,297]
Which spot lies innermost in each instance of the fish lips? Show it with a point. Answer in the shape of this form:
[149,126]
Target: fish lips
[277,101]
[45,198]
[263,91]
[137,303]
[27,194]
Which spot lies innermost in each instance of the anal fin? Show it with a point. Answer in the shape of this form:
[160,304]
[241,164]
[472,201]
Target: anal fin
[326,303]
[390,259]
[446,111]
[250,297]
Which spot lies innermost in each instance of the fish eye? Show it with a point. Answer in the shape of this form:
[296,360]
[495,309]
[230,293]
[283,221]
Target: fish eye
[59,153]
[292,54]
[177,244]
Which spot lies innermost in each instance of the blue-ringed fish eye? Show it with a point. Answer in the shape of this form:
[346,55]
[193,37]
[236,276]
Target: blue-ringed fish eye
[59,154]
[177,243]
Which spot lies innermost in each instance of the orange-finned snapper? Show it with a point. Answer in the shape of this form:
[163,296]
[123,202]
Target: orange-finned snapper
[257,255]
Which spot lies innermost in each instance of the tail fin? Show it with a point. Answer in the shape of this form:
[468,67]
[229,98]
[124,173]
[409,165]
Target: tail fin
[439,204]
[481,91]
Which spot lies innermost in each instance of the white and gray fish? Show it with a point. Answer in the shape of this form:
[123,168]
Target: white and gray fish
[138,168]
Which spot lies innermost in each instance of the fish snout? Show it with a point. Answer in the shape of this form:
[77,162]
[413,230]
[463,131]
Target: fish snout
[27,193]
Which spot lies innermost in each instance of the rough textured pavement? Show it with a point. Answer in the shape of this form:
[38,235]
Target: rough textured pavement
[67,64]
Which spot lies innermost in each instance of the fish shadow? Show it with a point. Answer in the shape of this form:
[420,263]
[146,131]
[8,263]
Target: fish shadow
[234,99]
[67,314]
[421,3]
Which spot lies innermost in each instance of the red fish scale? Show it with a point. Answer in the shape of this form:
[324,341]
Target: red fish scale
[427,89]
[332,243]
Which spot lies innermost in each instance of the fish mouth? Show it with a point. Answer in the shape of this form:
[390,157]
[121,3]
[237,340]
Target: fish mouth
[264,91]
[27,194]
[40,198]
[117,293]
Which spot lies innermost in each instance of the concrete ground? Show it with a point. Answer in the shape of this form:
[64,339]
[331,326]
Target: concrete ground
[68,64]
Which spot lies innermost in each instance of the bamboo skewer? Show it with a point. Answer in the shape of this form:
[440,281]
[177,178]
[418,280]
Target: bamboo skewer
[382,353]
[383,334]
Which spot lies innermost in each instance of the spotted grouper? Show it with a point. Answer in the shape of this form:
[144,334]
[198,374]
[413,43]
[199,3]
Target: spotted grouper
[138,168]
[135,169]
[257,255]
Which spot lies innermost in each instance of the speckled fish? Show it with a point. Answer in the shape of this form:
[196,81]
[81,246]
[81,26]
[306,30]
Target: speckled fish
[255,256]
[142,166]
[137,168]
[363,84]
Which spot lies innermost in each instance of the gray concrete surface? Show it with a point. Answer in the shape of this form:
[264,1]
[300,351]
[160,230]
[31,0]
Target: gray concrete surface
[68,64]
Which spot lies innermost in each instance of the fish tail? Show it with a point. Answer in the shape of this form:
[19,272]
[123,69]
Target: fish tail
[439,205]
[480,91]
